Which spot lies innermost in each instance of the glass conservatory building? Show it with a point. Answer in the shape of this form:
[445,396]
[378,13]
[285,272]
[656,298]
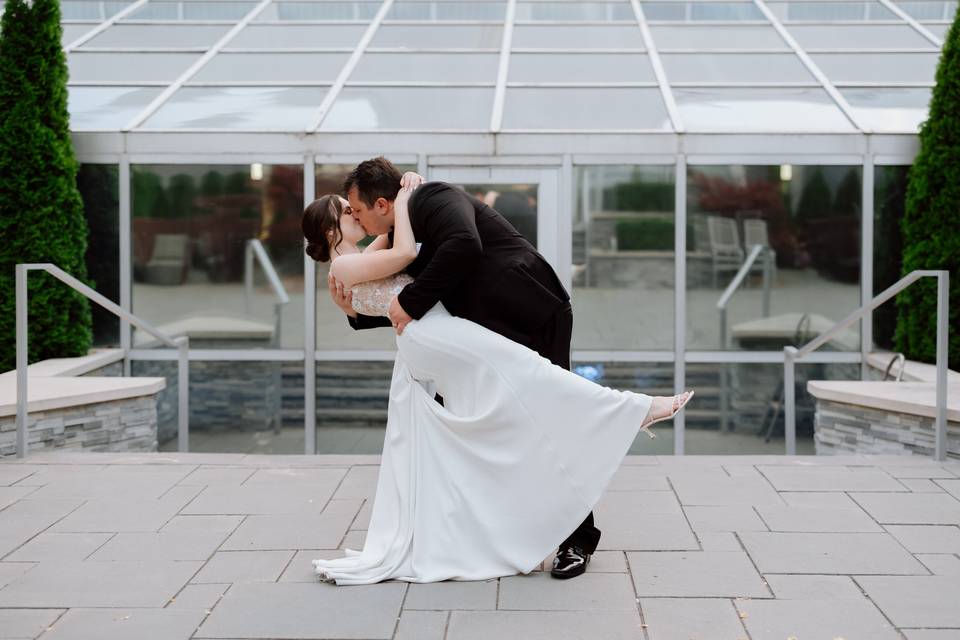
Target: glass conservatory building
[712,179]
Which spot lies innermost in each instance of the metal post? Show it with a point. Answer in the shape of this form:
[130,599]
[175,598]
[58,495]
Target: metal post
[724,379]
[126,262]
[22,414]
[183,394]
[767,280]
[789,401]
[679,295]
[310,320]
[943,303]
[247,276]
[866,262]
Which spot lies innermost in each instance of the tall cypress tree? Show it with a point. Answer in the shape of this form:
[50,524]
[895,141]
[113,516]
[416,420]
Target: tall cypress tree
[931,223]
[41,212]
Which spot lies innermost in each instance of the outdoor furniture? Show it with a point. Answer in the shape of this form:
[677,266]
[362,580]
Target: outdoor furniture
[170,260]
[754,233]
[725,251]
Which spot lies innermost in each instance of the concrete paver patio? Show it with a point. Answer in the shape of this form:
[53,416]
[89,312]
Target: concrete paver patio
[178,546]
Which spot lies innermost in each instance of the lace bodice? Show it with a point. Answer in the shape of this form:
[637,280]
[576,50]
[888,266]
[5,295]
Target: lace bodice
[373,298]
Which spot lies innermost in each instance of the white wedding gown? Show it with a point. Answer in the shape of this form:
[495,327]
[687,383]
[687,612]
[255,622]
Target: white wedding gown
[496,478]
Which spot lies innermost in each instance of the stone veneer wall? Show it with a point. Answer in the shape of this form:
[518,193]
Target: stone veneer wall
[845,428]
[119,425]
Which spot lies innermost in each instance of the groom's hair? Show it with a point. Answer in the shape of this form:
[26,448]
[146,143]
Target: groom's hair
[376,178]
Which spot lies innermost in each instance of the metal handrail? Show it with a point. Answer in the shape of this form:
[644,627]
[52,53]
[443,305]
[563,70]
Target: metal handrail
[791,355]
[895,359]
[254,249]
[181,343]
[722,309]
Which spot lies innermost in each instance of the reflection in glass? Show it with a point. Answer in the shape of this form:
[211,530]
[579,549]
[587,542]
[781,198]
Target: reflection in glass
[889,201]
[194,267]
[447,36]
[410,108]
[807,221]
[417,10]
[266,108]
[142,67]
[297,36]
[692,11]
[575,11]
[580,67]
[293,11]
[99,187]
[759,109]
[352,405]
[735,67]
[136,36]
[585,36]
[275,67]
[515,202]
[898,110]
[107,108]
[431,67]
[193,10]
[584,108]
[623,257]
[880,68]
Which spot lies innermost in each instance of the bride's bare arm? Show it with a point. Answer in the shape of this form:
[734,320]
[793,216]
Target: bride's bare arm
[374,265]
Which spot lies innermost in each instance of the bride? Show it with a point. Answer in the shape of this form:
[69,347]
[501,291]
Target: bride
[489,482]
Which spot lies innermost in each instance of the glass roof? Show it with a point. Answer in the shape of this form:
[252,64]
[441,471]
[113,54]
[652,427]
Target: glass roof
[490,65]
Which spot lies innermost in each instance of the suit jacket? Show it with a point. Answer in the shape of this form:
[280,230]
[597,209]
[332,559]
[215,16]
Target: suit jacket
[474,262]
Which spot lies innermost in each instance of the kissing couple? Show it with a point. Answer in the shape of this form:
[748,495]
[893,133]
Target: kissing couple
[495,453]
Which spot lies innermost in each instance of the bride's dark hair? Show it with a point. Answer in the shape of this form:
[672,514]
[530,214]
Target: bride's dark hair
[320,218]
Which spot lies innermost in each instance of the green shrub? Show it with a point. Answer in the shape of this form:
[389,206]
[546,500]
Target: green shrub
[931,223]
[41,212]
[639,196]
[648,235]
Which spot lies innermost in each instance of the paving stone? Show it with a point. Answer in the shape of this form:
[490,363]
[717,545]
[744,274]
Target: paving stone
[927,538]
[198,596]
[818,500]
[296,610]
[833,479]
[56,547]
[915,471]
[921,485]
[914,601]
[951,486]
[148,482]
[813,587]
[260,499]
[829,553]
[167,545]
[9,495]
[639,478]
[360,482]
[719,541]
[542,625]
[707,491]
[208,524]
[910,508]
[931,634]
[293,477]
[422,625]
[724,518]
[781,619]
[362,521]
[308,531]
[941,564]
[14,473]
[26,623]
[244,566]
[300,569]
[354,540]
[449,595]
[814,519]
[124,624]
[648,520]
[589,592]
[218,476]
[108,515]
[10,571]
[98,584]
[696,574]
[691,618]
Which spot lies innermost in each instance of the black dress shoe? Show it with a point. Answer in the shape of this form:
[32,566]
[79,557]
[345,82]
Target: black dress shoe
[569,563]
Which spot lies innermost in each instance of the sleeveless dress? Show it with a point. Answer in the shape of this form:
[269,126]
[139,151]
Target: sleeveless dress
[488,484]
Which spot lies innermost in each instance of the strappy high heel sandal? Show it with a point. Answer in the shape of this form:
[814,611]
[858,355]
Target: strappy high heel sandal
[679,402]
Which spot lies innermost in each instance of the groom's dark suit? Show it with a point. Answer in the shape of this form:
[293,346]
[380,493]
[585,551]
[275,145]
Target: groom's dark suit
[482,269]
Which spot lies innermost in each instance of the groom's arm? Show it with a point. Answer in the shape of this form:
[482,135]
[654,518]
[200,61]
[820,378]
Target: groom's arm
[446,219]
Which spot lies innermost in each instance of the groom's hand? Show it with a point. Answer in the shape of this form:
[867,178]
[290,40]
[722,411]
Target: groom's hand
[341,298]
[398,317]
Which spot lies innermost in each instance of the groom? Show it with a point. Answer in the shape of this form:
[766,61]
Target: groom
[482,269]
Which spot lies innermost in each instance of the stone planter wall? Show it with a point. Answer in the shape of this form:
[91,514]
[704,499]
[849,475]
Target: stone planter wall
[842,428]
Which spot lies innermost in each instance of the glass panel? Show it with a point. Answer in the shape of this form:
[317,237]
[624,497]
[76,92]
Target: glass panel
[831,11]
[623,258]
[73,31]
[293,36]
[403,10]
[191,229]
[889,200]
[809,216]
[352,405]
[580,67]
[276,67]
[267,108]
[574,11]
[593,108]
[410,108]
[434,67]
[929,10]
[451,36]
[235,407]
[293,11]
[937,29]
[515,202]
[99,186]
[139,67]
[706,11]
[759,109]
[90,10]
[878,67]
[576,37]
[651,378]
[107,108]
[891,110]
[691,36]
[144,36]
[866,36]
[735,67]
[193,10]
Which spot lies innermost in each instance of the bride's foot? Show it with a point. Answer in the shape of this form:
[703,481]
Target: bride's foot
[664,408]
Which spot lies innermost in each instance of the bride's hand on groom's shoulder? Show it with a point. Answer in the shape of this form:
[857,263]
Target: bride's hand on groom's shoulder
[411,180]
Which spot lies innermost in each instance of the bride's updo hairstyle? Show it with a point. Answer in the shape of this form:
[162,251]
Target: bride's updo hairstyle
[320,218]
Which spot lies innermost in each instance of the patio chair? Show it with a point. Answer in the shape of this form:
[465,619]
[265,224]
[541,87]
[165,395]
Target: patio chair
[170,260]
[725,252]
[755,232]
